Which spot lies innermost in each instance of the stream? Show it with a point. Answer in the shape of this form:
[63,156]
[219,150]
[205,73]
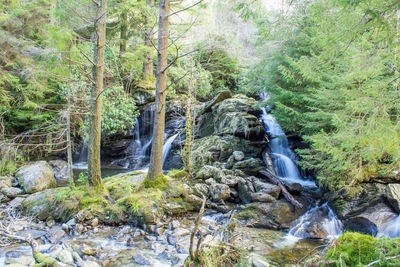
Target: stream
[167,244]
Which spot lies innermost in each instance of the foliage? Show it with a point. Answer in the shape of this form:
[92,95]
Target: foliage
[354,249]
[119,112]
[334,81]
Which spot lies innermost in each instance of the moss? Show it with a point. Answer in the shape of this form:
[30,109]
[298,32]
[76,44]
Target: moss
[161,182]
[249,212]
[44,260]
[354,249]
[177,173]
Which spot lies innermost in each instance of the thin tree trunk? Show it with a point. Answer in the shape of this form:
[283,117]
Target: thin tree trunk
[69,145]
[123,36]
[96,97]
[161,84]
[187,148]
[148,39]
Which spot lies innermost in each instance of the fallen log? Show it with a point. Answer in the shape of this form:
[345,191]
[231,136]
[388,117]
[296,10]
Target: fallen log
[275,180]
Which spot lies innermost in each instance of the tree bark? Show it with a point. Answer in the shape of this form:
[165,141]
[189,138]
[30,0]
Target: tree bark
[53,6]
[148,39]
[274,179]
[187,148]
[94,165]
[69,143]
[161,84]
[123,36]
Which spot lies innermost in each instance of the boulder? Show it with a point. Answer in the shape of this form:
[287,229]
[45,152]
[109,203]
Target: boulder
[252,165]
[245,189]
[3,198]
[240,124]
[208,171]
[220,97]
[294,188]
[270,189]
[5,181]
[36,177]
[238,155]
[214,150]
[11,192]
[219,192]
[262,197]
[361,225]
[276,215]
[44,204]
[61,172]
[65,256]
[200,189]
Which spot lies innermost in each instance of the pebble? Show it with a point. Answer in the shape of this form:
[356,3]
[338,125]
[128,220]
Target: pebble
[139,259]
[175,224]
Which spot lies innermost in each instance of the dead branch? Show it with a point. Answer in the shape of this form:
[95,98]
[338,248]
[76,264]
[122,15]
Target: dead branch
[196,229]
[275,180]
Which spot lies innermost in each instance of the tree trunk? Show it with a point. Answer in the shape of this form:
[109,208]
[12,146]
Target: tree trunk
[187,148]
[96,97]
[161,84]
[69,144]
[123,36]
[148,39]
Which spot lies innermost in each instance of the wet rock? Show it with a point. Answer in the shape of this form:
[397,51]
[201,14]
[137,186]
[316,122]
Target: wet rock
[270,189]
[11,192]
[172,239]
[61,172]
[22,261]
[175,224]
[158,248]
[71,223]
[94,222]
[50,222]
[219,192]
[238,155]
[257,261]
[55,234]
[181,232]
[393,196]
[36,177]
[79,229]
[150,238]
[379,214]
[197,201]
[210,181]
[84,216]
[139,259]
[65,227]
[65,256]
[276,215]
[252,165]
[76,257]
[361,225]
[5,181]
[89,264]
[89,251]
[294,188]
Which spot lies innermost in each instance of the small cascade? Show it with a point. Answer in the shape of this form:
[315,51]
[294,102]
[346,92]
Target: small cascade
[167,147]
[137,133]
[390,229]
[319,222]
[282,156]
[83,156]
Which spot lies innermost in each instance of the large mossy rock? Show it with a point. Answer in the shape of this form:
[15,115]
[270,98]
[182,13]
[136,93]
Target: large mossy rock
[237,115]
[36,177]
[211,149]
[45,204]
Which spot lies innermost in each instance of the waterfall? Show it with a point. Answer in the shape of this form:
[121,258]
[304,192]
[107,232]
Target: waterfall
[282,156]
[167,147]
[83,156]
[137,133]
[390,229]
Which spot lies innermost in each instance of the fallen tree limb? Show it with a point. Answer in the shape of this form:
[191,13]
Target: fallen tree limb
[386,259]
[275,180]
[194,254]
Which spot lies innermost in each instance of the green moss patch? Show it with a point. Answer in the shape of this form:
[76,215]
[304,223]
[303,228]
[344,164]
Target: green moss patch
[354,249]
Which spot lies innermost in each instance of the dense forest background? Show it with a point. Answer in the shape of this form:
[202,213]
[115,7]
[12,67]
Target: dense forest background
[330,67]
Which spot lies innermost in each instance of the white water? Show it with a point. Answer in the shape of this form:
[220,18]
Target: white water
[82,163]
[390,229]
[282,156]
[321,217]
[167,147]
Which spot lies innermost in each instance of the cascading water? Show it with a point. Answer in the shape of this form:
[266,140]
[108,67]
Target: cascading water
[83,156]
[167,147]
[390,229]
[282,156]
[319,222]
